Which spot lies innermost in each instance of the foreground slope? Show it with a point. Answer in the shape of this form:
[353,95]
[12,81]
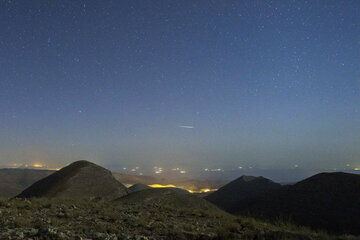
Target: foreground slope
[81,179]
[245,188]
[329,201]
[52,218]
[14,180]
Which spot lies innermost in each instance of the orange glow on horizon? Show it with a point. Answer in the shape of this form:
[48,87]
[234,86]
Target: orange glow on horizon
[37,165]
[204,190]
[162,186]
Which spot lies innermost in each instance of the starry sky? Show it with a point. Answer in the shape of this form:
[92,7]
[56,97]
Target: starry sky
[192,84]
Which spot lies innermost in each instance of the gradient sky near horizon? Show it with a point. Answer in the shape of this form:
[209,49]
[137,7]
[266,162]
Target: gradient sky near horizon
[268,84]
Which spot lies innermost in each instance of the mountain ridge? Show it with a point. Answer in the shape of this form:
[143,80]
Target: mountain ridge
[328,201]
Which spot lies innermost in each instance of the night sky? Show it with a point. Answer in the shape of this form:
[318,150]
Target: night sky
[190,84]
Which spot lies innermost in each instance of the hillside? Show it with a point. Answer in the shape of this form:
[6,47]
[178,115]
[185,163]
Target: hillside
[14,181]
[237,192]
[53,218]
[80,179]
[328,201]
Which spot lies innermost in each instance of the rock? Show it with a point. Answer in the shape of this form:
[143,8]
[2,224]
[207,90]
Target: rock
[20,235]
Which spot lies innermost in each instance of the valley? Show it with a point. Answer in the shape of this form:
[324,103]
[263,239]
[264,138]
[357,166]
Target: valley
[86,201]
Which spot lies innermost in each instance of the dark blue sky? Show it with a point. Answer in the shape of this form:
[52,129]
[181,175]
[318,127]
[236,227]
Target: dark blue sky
[269,84]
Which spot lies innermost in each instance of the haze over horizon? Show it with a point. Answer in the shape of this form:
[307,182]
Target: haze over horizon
[207,84]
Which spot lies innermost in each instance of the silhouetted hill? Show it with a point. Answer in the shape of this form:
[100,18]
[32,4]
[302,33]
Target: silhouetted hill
[138,187]
[328,201]
[244,188]
[15,180]
[80,179]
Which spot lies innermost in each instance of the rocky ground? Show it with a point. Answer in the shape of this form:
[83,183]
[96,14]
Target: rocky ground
[98,219]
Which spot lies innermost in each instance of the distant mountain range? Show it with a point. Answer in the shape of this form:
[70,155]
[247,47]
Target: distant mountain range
[327,201]
[188,184]
[13,180]
[138,187]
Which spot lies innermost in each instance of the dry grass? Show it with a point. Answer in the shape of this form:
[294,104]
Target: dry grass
[99,219]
